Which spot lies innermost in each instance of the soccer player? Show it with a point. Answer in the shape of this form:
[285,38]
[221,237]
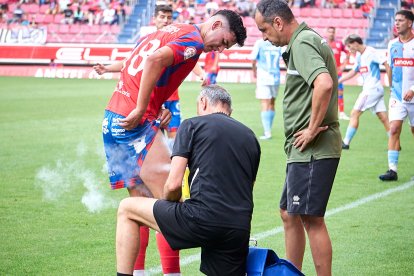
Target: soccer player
[169,258]
[368,62]
[137,157]
[401,77]
[162,17]
[211,67]
[266,70]
[338,48]
[313,139]
[218,215]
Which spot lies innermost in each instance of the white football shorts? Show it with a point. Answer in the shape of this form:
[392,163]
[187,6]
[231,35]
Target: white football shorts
[398,111]
[266,92]
[374,102]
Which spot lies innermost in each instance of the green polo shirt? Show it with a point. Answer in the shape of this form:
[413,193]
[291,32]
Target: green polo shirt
[309,55]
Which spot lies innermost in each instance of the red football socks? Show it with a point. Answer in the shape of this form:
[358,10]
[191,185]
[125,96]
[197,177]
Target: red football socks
[170,259]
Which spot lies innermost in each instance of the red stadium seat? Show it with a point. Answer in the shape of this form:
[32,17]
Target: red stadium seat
[337,13]
[32,8]
[74,29]
[305,12]
[358,13]
[347,13]
[48,19]
[296,11]
[53,28]
[249,21]
[316,13]
[58,18]
[63,29]
[326,12]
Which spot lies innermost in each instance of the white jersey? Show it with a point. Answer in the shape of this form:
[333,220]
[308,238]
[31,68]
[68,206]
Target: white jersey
[401,61]
[368,65]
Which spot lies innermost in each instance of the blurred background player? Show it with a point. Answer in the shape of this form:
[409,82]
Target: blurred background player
[265,62]
[400,73]
[211,67]
[338,48]
[368,61]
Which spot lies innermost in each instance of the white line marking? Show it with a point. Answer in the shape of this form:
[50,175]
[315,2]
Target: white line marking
[195,257]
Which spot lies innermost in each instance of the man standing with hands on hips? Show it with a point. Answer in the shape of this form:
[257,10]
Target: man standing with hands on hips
[313,140]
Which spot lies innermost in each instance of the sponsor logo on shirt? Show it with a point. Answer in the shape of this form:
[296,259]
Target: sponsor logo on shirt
[363,69]
[404,62]
[189,52]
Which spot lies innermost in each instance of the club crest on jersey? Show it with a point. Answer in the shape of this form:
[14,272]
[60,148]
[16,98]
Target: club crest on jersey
[189,52]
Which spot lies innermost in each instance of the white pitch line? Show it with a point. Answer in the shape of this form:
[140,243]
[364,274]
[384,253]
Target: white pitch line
[195,257]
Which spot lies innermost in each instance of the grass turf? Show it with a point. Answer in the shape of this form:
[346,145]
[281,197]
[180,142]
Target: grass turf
[51,158]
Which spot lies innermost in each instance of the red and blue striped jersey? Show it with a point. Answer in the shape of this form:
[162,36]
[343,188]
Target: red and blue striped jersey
[187,45]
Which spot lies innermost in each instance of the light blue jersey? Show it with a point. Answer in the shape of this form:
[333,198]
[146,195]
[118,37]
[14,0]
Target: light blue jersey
[401,61]
[267,57]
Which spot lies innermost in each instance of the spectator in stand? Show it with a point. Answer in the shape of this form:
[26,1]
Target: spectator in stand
[18,15]
[366,9]
[338,48]
[244,7]
[3,17]
[306,3]
[407,5]
[53,7]
[78,16]
[108,15]
[211,8]
[68,15]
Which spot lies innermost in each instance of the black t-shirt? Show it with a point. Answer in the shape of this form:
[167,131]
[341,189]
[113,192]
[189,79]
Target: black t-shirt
[223,158]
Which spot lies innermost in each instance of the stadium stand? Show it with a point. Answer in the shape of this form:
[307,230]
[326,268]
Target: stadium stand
[374,24]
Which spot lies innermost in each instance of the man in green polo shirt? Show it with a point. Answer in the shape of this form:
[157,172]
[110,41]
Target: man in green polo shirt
[313,139]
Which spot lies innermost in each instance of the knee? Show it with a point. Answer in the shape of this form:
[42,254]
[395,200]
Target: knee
[394,130]
[310,222]
[123,208]
[284,215]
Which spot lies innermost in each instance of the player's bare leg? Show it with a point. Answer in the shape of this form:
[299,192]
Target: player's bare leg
[383,117]
[320,244]
[155,169]
[295,239]
[132,213]
[154,173]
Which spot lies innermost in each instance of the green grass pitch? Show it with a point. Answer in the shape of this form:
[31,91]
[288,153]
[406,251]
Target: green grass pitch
[51,161]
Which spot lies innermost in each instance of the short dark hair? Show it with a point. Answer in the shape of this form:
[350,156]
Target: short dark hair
[353,38]
[235,24]
[162,8]
[269,9]
[407,14]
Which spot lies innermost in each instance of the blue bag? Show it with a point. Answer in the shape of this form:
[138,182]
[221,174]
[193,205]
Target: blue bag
[264,261]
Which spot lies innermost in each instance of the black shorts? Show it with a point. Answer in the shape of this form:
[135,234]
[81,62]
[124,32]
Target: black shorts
[223,250]
[308,186]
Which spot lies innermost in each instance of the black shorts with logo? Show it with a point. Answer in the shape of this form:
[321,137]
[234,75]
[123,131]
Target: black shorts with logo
[223,250]
[308,186]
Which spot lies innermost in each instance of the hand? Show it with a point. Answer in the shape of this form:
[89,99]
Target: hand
[165,117]
[408,96]
[131,121]
[304,137]
[100,68]
[204,81]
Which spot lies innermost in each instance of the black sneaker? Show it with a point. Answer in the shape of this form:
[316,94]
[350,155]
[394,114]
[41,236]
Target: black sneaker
[345,146]
[390,175]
